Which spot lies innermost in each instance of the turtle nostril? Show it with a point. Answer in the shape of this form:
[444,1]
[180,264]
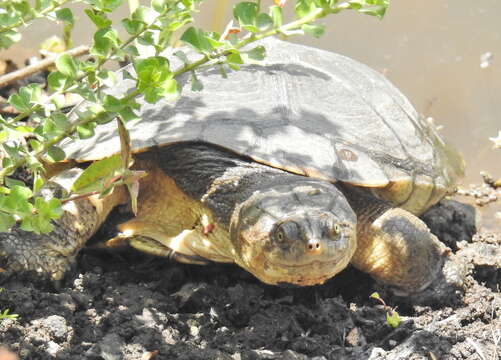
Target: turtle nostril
[313,246]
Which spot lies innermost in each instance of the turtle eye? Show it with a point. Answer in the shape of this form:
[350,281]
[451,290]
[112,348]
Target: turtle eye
[336,229]
[288,230]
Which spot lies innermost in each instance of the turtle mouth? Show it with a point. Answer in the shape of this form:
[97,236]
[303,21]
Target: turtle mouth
[315,272]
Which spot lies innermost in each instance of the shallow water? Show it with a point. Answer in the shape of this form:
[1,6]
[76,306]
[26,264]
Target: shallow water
[430,49]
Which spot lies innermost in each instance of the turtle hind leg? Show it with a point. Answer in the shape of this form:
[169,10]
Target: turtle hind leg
[398,250]
[53,253]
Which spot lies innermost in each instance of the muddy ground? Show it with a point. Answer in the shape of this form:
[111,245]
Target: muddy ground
[124,305]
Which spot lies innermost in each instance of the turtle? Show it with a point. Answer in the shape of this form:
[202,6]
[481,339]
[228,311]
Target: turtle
[292,168]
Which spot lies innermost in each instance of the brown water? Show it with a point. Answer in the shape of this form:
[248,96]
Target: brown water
[430,49]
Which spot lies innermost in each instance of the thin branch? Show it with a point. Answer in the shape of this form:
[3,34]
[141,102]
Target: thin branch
[42,65]
[33,15]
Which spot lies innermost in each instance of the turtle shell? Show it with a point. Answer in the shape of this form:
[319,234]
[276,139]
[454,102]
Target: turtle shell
[304,110]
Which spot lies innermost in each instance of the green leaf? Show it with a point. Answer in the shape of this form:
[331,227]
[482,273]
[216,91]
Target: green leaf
[58,100]
[375,295]
[24,129]
[37,182]
[5,315]
[133,27]
[146,39]
[182,56]
[17,201]
[4,136]
[160,5]
[99,19]
[113,104]
[197,39]
[105,40]
[166,89]
[19,103]
[35,145]
[144,14]
[50,128]
[6,222]
[95,176]
[33,163]
[213,39]
[97,113]
[234,66]
[152,71]
[127,114]
[8,38]
[31,92]
[196,85]
[132,50]
[276,16]
[112,36]
[107,78]
[26,96]
[246,14]
[65,15]
[235,58]
[264,22]
[61,121]
[86,131]
[393,319]
[46,211]
[86,92]
[170,88]
[10,182]
[155,79]
[55,154]
[105,5]
[6,162]
[222,70]
[258,53]
[314,29]
[50,209]
[370,7]
[14,151]
[59,82]
[67,65]
[304,7]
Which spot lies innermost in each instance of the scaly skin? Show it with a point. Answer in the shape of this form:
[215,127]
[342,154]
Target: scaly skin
[52,254]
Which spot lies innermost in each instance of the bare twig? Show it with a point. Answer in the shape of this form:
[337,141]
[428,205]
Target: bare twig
[42,65]
[78,197]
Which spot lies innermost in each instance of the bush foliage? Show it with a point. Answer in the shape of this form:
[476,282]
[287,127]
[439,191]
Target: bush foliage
[37,144]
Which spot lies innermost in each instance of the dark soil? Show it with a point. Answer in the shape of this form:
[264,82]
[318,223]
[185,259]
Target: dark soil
[129,306]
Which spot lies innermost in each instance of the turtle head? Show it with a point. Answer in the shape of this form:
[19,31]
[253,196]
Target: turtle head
[300,233]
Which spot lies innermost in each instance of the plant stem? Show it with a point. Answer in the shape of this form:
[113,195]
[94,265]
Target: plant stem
[34,15]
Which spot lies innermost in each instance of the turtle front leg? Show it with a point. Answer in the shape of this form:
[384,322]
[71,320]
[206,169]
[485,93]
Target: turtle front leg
[398,250]
[51,254]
